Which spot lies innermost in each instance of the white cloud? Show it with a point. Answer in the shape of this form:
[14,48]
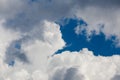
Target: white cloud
[6,37]
[83,65]
[31,25]
[38,46]
[105,20]
[94,12]
[40,50]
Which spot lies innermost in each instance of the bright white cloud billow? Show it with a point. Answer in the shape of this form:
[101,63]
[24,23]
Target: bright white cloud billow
[32,55]
[83,65]
[29,37]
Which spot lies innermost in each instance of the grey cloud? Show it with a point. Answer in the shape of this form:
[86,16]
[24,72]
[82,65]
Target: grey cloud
[14,52]
[72,74]
[39,10]
[116,77]
[99,3]
[58,75]
[35,11]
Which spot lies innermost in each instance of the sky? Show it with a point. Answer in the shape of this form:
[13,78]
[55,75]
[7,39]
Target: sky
[59,40]
[97,43]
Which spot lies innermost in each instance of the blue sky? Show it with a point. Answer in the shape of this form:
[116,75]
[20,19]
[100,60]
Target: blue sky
[98,44]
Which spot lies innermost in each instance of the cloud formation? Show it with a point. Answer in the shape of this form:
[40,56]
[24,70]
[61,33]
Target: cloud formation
[84,65]
[23,15]
[101,16]
[29,37]
[30,54]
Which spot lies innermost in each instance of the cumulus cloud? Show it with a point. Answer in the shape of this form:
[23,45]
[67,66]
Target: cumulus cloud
[26,55]
[37,41]
[6,37]
[101,16]
[23,15]
[27,41]
[29,37]
[83,65]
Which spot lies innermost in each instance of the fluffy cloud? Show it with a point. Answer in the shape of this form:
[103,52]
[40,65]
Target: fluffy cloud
[100,19]
[19,14]
[83,65]
[6,37]
[41,40]
[40,50]
[26,55]
[29,37]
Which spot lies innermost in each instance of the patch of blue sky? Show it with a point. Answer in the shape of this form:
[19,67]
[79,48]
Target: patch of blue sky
[18,46]
[11,63]
[98,44]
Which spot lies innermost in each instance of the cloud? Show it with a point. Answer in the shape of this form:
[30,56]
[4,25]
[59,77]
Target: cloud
[8,9]
[99,3]
[23,15]
[32,12]
[26,56]
[100,19]
[6,37]
[83,65]
[36,42]
[29,37]
[67,74]
[117,77]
